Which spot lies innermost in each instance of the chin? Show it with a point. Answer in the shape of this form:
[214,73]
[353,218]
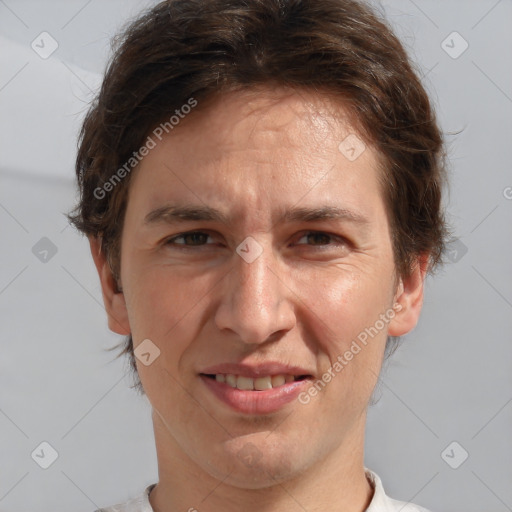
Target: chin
[256,462]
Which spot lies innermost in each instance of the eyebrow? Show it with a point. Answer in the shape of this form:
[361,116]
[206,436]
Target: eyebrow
[173,213]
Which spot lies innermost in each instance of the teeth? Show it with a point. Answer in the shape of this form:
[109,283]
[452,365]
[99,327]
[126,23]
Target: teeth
[278,380]
[245,383]
[262,383]
[258,384]
[231,380]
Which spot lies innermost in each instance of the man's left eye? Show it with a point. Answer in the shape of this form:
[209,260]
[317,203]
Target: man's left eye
[320,238]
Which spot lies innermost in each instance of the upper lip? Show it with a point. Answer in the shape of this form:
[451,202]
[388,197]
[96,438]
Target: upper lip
[255,370]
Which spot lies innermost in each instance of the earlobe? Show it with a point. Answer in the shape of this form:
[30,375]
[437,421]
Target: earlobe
[409,299]
[113,299]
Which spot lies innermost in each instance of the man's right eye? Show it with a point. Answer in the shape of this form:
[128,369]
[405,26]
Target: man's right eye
[189,239]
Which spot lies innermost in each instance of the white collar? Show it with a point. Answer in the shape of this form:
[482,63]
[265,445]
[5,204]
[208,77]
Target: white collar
[383,503]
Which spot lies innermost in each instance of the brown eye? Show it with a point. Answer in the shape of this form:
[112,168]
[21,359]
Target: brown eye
[192,238]
[319,238]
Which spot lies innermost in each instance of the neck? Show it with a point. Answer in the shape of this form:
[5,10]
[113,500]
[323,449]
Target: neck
[336,482]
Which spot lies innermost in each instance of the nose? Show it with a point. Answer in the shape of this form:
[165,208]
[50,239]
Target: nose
[256,302]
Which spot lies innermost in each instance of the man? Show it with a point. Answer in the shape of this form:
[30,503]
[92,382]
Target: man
[261,188]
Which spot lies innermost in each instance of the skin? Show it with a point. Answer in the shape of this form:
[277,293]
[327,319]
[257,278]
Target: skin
[253,155]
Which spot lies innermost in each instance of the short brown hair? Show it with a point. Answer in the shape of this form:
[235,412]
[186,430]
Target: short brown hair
[182,49]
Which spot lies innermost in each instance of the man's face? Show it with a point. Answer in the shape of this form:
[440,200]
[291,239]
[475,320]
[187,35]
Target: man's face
[289,301]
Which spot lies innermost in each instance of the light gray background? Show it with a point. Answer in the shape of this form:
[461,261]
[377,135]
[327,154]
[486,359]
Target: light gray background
[450,381]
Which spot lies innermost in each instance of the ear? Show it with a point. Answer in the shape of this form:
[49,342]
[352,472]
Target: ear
[409,299]
[115,304]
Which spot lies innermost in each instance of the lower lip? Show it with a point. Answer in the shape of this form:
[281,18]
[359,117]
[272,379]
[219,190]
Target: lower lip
[255,402]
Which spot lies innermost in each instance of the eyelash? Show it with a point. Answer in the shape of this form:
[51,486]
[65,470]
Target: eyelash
[171,241]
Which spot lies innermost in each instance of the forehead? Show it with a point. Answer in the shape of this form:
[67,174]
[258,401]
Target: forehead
[267,118]
[261,149]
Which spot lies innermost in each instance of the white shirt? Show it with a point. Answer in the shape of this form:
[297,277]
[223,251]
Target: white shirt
[380,502]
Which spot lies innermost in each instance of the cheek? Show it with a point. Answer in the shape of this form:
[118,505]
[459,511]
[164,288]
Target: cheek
[344,312]
[167,306]
[148,303]
[342,303]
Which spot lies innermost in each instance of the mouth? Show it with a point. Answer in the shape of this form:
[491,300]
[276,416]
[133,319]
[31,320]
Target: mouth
[255,384]
[264,394]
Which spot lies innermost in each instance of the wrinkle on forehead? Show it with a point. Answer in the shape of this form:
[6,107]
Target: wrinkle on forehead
[274,110]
